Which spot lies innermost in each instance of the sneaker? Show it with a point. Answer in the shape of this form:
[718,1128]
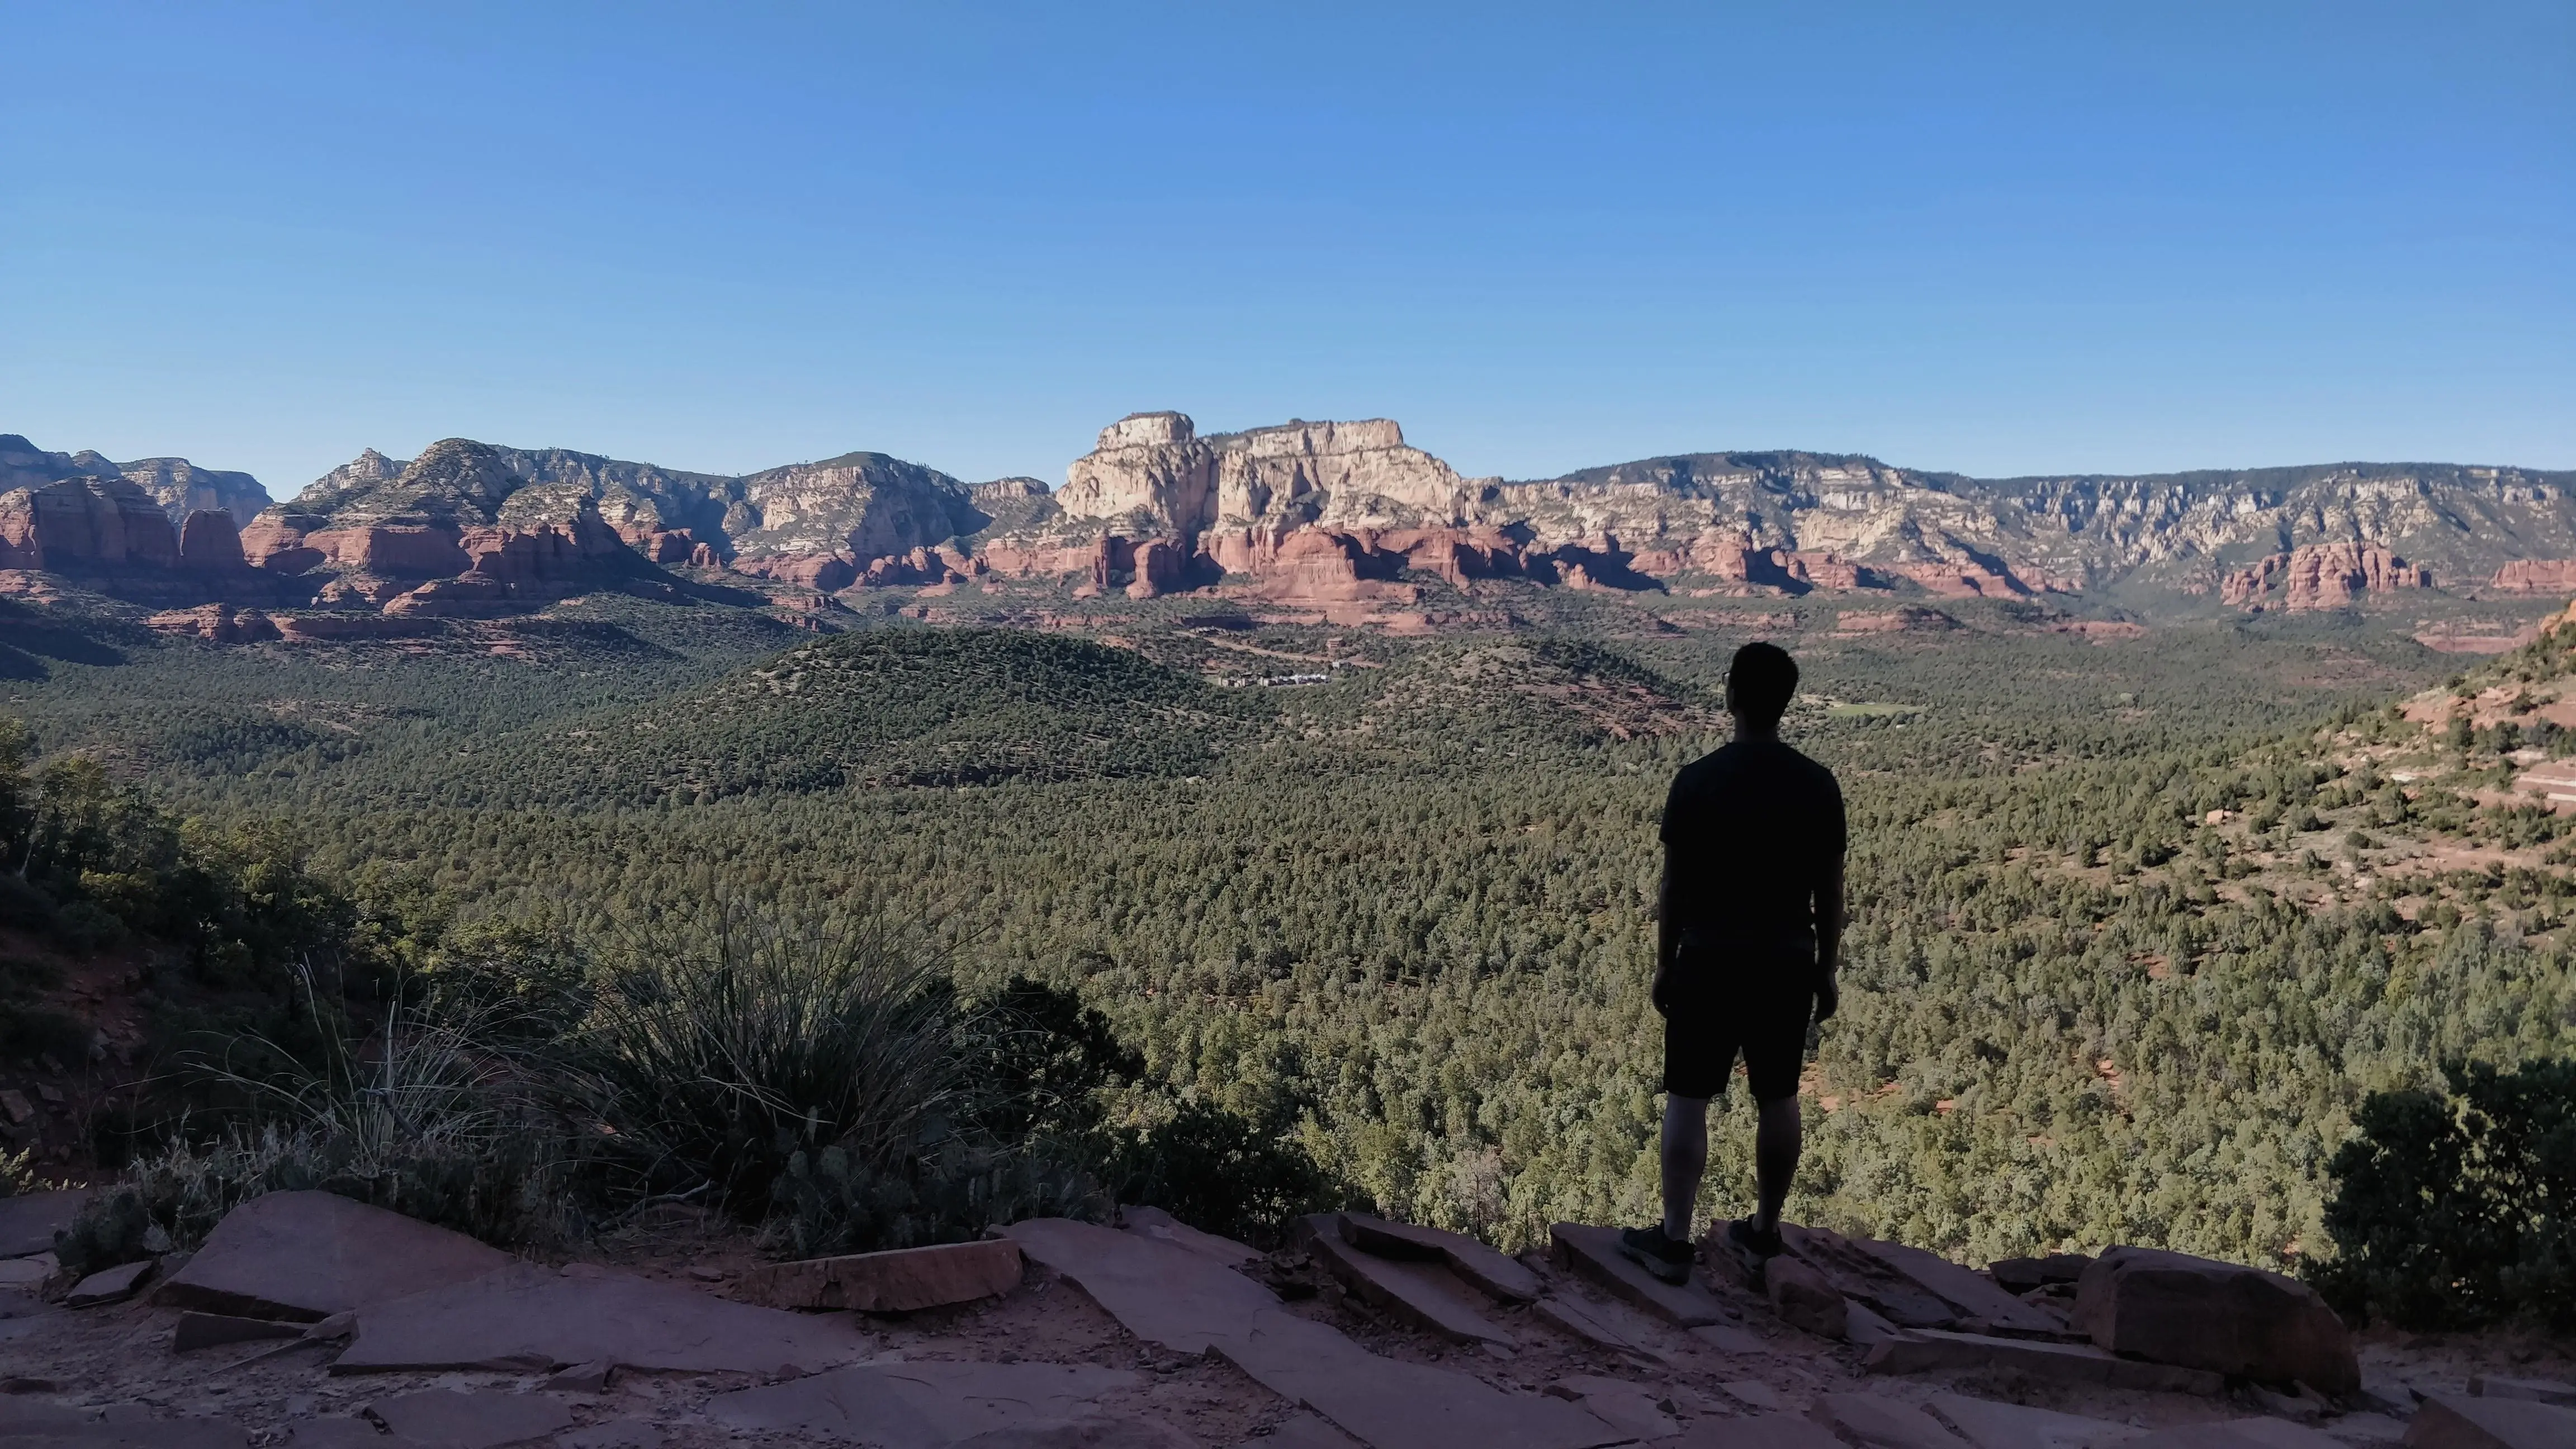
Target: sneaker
[1649,1249]
[1757,1244]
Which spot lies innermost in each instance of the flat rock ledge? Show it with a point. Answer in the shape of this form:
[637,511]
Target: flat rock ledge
[1388,1336]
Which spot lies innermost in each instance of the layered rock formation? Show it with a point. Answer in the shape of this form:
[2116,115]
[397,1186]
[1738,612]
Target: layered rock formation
[1761,523]
[460,530]
[1330,512]
[2321,576]
[177,485]
[216,624]
[469,527]
[1152,472]
[182,488]
[162,525]
[84,525]
[2537,576]
[210,543]
[1340,514]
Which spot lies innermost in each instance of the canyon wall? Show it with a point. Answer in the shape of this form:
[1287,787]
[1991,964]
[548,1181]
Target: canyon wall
[1312,512]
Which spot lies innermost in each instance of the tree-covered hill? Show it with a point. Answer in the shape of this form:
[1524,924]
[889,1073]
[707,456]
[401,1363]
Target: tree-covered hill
[2138,924]
[885,709]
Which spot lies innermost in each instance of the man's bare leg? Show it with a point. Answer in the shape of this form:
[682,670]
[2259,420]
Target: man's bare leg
[1686,1160]
[1775,1158]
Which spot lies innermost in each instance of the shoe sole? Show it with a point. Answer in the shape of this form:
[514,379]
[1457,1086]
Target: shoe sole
[1675,1274]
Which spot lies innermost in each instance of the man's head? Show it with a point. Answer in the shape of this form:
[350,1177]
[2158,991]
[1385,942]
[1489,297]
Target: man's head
[1758,686]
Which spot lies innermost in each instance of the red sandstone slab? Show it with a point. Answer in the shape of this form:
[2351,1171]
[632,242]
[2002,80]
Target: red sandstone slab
[898,1281]
[1091,1431]
[1728,1339]
[1153,1222]
[1161,1293]
[2223,1317]
[1990,1425]
[2452,1421]
[1478,1265]
[40,1425]
[213,1330]
[109,1285]
[529,1319]
[2020,1275]
[1426,1295]
[2235,1434]
[1174,1298]
[1755,1394]
[1917,1350]
[1875,1421]
[304,1256]
[1595,1253]
[1863,1326]
[1389,1404]
[2544,1391]
[1975,1297]
[1864,1276]
[1757,1431]
[1301,1431]
[448,1419]
[615,1434]
[342,1432]
[1631,1408]
[919,1405]
[1576,1317]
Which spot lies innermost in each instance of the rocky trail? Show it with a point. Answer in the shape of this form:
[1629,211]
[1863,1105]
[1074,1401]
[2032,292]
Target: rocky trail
[310,1320]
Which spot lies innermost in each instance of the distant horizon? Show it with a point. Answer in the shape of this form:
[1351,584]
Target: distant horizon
[1054,480]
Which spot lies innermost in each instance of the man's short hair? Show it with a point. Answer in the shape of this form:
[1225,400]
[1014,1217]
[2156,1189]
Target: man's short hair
[1761,680]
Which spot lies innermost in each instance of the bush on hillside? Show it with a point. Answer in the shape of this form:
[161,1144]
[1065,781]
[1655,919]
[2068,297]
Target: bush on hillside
[2459,1210]
[90,864]
[1038,1060]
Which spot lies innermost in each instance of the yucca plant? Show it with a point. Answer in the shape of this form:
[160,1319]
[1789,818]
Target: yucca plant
[714,1054]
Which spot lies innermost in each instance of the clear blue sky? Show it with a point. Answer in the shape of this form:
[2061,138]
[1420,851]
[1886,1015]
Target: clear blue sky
[1998,239]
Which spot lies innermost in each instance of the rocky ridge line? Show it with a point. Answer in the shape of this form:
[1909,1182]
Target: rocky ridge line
[1343,516]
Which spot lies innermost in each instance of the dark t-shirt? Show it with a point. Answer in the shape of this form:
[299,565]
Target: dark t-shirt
[1753,833]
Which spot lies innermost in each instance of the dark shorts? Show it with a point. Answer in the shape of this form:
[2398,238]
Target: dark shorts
[1702,1039]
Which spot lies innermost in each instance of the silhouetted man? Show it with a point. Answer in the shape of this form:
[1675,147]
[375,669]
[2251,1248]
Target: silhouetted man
[1748,934]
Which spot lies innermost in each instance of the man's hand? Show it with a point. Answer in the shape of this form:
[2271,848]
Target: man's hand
[1828,997]
[1661,993]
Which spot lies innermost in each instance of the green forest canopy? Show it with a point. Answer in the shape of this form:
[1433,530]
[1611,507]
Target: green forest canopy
[1402,914]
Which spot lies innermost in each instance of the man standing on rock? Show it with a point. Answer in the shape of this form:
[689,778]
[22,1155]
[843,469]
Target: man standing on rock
[1748,934]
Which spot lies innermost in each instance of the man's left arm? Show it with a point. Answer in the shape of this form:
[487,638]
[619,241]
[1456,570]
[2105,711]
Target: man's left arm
[1666,938]
[1829,942]
[1829,910]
